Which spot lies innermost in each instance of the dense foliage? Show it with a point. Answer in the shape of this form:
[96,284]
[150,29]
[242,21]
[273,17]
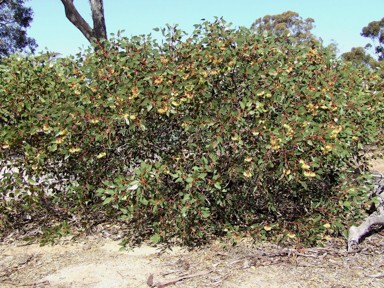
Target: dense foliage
[227,132]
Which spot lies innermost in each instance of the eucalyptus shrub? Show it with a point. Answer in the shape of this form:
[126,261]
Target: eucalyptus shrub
[226,132]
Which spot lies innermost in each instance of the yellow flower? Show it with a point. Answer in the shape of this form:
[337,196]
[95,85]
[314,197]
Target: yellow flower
[248,159]
[260,93]
[45,127]
[305,166]
[335,132]
[161,110]
[327,225]
[286,172]
[175,103]
[74,150]
[247,174]
[94,121]
[60,140]
[267,228]
[63,132]
[5,145]
[163,60]
[236,138]
[255,133]
[101,155]
[132,117]
[286,126]
[327,148]
[35,166]
[291,235]
[159,80]
[204,74]
[275,147]
[355,138]
[309,174]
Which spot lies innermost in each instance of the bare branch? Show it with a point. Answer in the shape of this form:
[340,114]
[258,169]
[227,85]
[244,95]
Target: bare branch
[76,19]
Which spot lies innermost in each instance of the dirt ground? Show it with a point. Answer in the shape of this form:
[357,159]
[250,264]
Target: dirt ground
[94,261]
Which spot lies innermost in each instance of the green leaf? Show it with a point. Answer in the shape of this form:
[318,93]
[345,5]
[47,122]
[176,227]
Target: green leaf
[206,213]
[347,204]
[202,175]
[346,234]
[155,238]
[144,201]
[106,201]
[338,224]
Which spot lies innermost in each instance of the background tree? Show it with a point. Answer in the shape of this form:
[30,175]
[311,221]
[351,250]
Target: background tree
[287,23]
[333,46]
[375,32]
[359,57]
[14,20]
[99,30]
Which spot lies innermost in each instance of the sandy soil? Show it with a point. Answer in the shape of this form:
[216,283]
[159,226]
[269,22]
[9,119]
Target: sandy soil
[97,262]
[94,261]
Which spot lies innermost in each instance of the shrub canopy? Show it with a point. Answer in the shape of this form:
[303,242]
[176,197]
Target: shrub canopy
[227,132]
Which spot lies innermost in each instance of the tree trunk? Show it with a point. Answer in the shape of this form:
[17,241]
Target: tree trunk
[99,28]
[99,31]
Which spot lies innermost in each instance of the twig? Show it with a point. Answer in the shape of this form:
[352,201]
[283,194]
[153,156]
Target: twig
[161,285]
[26,284]
[170,272]
[376,276]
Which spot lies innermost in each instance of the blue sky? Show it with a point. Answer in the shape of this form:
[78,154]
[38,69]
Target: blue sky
[341,20]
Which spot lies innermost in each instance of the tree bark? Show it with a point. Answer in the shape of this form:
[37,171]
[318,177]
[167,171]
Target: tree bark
[99,31]
[99,28]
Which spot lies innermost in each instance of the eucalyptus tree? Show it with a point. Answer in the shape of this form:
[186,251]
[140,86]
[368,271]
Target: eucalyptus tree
[99,30]
[15,18]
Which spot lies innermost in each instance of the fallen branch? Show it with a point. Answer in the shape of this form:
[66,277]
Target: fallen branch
[355,233]
[161,285]
[376,276]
